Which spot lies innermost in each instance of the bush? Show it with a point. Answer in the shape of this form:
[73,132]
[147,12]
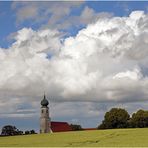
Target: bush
[30,132]
[76,127]
[139,119]
[115,118]
[10,130]
[27,132]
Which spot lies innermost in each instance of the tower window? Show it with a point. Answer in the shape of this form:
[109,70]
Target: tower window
[46,111]
[42,111]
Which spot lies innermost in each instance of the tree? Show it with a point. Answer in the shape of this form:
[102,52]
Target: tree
[20,132]
[10,130]
[115,118]
[32,132]
[76,127]
[27,132]
[140,119]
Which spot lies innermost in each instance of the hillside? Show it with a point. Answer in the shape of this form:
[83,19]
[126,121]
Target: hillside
[115,137]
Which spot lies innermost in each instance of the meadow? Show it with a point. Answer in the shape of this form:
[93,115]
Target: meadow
[99,138]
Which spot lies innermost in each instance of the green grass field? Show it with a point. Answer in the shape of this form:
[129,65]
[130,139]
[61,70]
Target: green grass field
[102,138]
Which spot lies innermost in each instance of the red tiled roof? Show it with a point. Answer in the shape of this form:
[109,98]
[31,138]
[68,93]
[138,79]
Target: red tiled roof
[60,126]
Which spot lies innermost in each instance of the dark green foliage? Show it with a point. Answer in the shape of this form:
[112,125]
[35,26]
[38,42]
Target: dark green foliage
[30,132]
[10,130]
[76,127]
[115,118]
[20,132]
[139,119]
[102,125]
[119,118]
[27,132]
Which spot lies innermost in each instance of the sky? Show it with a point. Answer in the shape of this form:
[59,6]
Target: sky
[87,57]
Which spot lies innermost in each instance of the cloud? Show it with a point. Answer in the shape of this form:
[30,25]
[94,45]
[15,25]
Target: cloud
[51,12]
[105,62]
[134,75]
[87,16]
[57,15]
[28,12]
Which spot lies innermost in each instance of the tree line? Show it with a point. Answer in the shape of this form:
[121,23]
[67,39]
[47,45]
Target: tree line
[115,118]
[120,118]
[10,130]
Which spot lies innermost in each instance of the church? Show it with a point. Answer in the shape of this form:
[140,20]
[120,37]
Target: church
[48,126]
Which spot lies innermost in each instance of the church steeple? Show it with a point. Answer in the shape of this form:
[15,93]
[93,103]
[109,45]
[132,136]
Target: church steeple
[44,102]
[45,119]
[44,95]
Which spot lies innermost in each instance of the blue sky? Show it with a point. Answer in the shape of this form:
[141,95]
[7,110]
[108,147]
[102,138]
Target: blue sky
[8,16]
[88,71]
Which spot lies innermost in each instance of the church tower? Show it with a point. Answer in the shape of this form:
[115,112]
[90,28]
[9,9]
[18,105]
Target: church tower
[45,119]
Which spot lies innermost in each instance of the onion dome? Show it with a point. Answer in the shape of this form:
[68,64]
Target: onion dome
[44,102]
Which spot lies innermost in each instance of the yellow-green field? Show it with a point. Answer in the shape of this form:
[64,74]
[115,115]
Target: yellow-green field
[102,138]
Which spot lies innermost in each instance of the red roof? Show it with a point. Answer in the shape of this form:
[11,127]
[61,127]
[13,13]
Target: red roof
[60,126]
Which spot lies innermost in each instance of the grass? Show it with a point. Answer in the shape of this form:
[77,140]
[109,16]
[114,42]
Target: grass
[98,138]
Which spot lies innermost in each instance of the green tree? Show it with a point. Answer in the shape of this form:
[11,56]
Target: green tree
[115,118]
[32,132]
[27,132]
[140,119]
[10,130]
[76,127]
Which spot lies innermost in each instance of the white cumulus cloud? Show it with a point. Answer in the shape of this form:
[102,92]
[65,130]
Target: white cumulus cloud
[106,61]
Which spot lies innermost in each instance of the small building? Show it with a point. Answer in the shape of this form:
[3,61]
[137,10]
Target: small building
[48,126]
[60,126]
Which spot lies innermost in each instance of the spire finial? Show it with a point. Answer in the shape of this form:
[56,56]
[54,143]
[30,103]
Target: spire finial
[44,95]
